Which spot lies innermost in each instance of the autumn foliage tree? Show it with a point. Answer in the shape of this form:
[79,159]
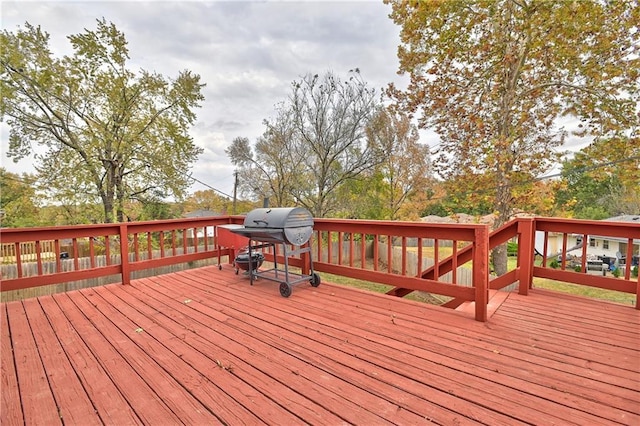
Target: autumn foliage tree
[494,77]
[404,162]
[102,132]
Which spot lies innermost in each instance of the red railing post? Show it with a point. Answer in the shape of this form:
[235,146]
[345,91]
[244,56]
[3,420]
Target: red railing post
[526,255]
[305,257]
[481,271]
[124,255]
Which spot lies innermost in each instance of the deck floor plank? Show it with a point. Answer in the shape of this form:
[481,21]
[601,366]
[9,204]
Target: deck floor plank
[73,403]
[10,410]
[313,353]
[203,346]
[348,402]
[139,395]
[110,403]
[471,365]
[38,404]
[129,339]
[222,390]
[378,363]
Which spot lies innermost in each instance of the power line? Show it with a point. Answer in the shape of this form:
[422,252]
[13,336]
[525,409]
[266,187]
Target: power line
[209,186]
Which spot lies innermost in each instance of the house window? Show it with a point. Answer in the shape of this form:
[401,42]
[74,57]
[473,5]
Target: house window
[605,244]
[592,242]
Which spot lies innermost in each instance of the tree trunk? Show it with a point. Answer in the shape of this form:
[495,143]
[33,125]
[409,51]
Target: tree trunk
[502,206]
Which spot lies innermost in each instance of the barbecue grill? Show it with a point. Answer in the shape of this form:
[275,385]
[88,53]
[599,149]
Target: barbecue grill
[287,226]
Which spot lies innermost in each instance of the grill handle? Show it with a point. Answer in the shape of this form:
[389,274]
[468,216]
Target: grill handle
[258,221]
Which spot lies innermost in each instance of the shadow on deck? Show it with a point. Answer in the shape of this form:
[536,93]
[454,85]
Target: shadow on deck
[204,347]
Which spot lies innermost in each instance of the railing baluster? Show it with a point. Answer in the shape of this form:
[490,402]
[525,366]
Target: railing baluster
[404,256]
[376,253]
[419,266]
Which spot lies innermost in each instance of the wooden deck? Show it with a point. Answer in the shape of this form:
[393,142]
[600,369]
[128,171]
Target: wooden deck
[204,347]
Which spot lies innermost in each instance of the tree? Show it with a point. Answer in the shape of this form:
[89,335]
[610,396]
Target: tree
[315,144]
[112,135]
[271,171]
[493,77]
[207,200]
[405,162]
[19,207]
[330,117]
[602,180]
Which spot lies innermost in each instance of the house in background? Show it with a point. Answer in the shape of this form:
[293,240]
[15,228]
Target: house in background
[607,249]
[201,213]
[615,248]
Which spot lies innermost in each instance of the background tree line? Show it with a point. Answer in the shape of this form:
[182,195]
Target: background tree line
[492,78]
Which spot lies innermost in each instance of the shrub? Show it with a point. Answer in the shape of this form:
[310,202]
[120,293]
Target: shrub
[634,272]
[512,249]
[554,264]
[616,272]
[577,268]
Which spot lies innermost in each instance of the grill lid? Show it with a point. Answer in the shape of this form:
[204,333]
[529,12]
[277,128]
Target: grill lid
[293,225]
[281,218]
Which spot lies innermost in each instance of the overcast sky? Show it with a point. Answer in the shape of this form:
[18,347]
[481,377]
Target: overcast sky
[247,53]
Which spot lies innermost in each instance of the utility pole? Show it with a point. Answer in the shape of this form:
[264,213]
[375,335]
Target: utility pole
[235,191]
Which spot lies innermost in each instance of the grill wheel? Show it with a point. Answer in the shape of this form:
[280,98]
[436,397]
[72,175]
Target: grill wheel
[315,280]
[285,289]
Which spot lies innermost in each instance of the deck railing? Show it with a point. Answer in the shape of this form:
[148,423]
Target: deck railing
[106,249]
[409,256]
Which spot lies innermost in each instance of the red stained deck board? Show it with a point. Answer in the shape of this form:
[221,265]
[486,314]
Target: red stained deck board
[109,402]
[352,404]
[38,404]
[221,391]
[195,347]
[597,323]
[483,387]
[10,408]
[178,400]
[584,344]
[506,351]
[518,337]
[331,355]
[74,405]
[349,365]
[142,398]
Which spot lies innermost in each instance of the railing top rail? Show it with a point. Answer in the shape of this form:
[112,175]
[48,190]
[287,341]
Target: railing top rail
[15,235]
[447,231]
[589,227]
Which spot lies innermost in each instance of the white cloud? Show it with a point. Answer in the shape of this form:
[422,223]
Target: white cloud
[247,53]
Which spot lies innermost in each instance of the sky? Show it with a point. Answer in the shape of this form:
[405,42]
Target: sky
[247,53]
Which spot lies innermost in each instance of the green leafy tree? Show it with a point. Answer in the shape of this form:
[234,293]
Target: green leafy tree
[493,77]
[18,196]
[207,200]
[106,132]
[602,180]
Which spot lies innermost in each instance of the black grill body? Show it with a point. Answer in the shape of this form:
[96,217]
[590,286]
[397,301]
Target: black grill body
[286,226]
[290,225]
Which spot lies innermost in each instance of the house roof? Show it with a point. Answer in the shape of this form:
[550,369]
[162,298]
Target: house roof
[625,218]
[201,213]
